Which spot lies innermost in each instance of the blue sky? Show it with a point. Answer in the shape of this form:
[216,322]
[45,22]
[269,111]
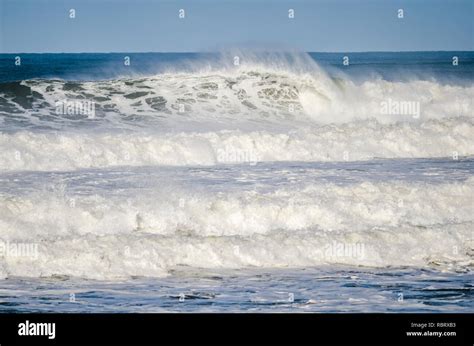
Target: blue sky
[154,25]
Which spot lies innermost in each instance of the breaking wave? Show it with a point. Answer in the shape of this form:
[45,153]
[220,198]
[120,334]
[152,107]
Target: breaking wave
[255,94]
[365,224]
[361,140]
[231,118]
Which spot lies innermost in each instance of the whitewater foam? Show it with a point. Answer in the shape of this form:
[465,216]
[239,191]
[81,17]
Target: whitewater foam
[103,234]
[167,172]
[362,140]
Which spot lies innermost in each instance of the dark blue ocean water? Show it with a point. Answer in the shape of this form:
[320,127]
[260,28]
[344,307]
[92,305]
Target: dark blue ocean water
[99,66]
[326,289]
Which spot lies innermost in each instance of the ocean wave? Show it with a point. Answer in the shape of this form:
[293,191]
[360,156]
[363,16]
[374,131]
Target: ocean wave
[232,118]
[252,93]
[368,224]
[354,141]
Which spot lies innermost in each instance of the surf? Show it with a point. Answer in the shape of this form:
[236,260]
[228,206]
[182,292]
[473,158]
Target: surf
[265,89]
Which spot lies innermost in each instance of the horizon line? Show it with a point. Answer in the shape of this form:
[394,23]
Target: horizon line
[251,51]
